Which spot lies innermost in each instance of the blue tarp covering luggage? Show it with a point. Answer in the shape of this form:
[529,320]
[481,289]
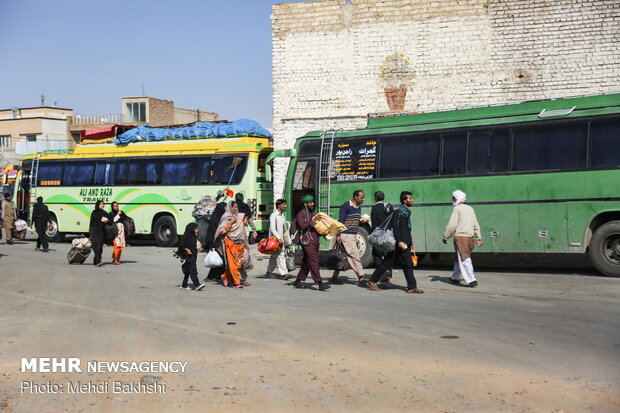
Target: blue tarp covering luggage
[240,127]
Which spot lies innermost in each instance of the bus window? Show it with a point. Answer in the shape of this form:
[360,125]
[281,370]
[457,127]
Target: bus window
[227,170]
[539,148]
[454,153]
[49,174]
[605,143]
[79,173]
[181,171]
[204,165]
[487,151]
[144,171]
[104,174]
[121,173]
[409,157]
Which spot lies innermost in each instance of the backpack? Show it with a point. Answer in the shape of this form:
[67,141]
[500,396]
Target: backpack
[294,232]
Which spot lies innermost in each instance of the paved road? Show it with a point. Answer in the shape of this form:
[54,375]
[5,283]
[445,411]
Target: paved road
[521,341]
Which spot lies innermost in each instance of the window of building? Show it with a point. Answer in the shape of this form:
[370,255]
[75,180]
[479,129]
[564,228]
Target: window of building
[135,112]
[5,141]
[179,171]
[30,137]
[79,173]
[488,151]
[605,143]
[550,147]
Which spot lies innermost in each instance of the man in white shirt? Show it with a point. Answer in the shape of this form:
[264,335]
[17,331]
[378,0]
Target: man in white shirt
[276,229]
[464,227]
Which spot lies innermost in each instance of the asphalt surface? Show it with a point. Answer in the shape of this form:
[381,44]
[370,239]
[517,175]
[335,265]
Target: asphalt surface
[523,340]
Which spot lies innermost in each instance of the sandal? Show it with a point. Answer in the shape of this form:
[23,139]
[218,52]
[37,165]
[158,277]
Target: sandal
[373,286]
[361,280]
[238,286]
[415,291]
[246,283]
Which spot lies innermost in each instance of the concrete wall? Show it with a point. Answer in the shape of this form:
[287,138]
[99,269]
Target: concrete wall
[334,62]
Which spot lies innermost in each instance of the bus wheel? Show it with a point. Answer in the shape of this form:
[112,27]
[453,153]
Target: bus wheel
[605,249]
[165,231]
[53,235]
[364,247]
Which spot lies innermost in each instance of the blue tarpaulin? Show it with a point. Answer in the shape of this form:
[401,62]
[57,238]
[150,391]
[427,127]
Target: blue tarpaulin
[240,127]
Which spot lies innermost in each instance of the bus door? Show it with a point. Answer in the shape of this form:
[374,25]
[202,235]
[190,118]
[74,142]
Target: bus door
[304,182]
[22,195]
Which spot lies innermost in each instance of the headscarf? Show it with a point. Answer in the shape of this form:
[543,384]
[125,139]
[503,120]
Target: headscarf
[237,231]
[459,196]
[97,204]
[307,198]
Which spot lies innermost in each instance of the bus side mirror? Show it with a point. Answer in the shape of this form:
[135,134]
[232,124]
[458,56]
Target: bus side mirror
[268,175]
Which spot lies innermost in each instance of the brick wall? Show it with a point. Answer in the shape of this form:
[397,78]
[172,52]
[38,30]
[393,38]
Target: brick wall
[333,60]
[160,112]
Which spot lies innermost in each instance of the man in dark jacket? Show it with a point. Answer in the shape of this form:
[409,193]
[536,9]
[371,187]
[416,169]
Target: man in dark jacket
[401,225]
[380,211]
[40,217]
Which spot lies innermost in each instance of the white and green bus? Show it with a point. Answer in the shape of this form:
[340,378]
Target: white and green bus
[156,183]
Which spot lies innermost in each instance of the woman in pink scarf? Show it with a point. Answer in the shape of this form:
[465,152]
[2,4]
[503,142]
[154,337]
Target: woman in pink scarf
[231,240]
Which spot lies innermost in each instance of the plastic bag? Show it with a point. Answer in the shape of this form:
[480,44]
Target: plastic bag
[21,225]
[290,261]
[269,245]
[213,260]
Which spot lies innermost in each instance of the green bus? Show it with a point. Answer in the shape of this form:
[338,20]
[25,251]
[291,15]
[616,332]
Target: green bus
[543,176]
[156,183]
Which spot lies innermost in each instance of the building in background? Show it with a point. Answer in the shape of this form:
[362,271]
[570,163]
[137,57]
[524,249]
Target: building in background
[336,61]
[35,129]
[140,110]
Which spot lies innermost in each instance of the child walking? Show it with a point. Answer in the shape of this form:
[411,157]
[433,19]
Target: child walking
[188,250]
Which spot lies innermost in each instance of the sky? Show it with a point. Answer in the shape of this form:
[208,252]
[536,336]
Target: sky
[86,55]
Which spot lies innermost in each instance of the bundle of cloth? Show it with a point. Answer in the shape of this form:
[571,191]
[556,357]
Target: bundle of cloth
[81,243]
[328,226]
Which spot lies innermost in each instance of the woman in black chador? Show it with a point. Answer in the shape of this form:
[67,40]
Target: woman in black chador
[98,220]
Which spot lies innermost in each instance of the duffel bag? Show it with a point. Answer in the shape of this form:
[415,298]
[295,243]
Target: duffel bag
[337,259]
[269,245]
[382,238]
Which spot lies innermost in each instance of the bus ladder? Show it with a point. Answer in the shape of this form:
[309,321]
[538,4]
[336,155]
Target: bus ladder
[325,163]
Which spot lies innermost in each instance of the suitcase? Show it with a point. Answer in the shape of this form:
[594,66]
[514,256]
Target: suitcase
[78,255]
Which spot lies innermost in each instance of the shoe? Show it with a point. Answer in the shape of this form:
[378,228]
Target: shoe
[37,249]
[455,282]
[268,275]
[99,264]
[415,291]
[209,280]
[225,282]
[300,285]
[361,281]
[238,286]
[246,283]
[324,286]
[184,288]
[45,250]
[373,286]
[200,287]
[472,284]
[9,242]
[335,280]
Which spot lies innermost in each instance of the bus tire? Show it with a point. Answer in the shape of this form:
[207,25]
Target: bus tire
[364,247]
[165,231]
[604,249]
[53,235]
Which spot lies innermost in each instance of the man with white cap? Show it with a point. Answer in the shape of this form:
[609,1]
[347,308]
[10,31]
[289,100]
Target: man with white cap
[464,227]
